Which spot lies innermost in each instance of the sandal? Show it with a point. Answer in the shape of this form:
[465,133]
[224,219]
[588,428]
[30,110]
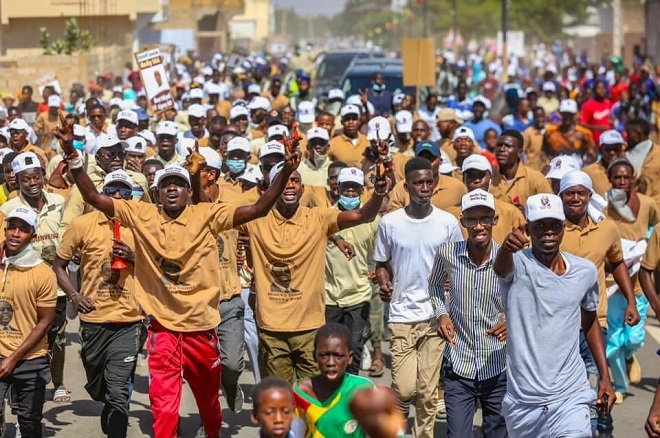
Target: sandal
[61,395]
[441,410]
[377,367]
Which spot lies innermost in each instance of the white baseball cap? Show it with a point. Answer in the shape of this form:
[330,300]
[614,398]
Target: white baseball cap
[173,170]
[351,174]
[463,131]
[317,132]
[379,128]
[148,135]
[477,162]
[27,215]
[549,86]
[568,106]
[196,110]
[350,109]
[118,176]
[272,147]
[107,141]
[167,128]
[196,93]
[354,99]
[254,89]
[207,71]
[115,101]
[398,98]
[336,93]
[252,174]
[259,102]
[238,144]
[128,115]
[611,136]
[306,112]
[561,165]
[54,101]
[25,161]
[3,152]
[483,100]
[211,156]
[18,125]
[212,88]
[575,178]
[544,206]
[277,130]
[404,122]
[238,111]
[477,198]
[136,144]
[79,131]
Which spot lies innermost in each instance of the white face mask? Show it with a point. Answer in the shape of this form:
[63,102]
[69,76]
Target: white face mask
[319,158]
[619,200]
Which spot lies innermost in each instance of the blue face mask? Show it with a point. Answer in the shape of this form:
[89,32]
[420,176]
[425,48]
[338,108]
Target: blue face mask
[377,87]
[349,203]
[235,166]
[78,144]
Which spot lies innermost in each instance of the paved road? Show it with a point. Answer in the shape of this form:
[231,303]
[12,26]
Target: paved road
[80,417]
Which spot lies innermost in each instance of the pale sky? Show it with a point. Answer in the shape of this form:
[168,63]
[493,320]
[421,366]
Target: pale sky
[312,7]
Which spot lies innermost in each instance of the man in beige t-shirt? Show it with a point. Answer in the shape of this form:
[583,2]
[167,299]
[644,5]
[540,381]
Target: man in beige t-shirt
[27,309]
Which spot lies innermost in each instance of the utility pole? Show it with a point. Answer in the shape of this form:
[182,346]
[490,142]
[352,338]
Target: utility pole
[454,29]
[505,49]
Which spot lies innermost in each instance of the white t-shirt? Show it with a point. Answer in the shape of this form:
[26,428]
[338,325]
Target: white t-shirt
[410,246]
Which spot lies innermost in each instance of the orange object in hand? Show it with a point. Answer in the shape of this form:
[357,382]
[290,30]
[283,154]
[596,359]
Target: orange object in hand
[118,263]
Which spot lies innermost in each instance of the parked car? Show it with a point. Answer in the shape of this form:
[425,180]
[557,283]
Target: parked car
[332,67]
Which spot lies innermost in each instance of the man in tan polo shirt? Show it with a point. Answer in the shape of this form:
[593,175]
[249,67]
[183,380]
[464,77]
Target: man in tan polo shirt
[290,293]
[110,317]
[349,147]
[27,304]
[514,182]
[599,243]
[477,173]
[177,256]
[447,191]
[612,146]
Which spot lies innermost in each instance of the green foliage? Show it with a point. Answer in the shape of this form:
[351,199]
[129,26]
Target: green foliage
[74,40]
[542,20]
[44,41]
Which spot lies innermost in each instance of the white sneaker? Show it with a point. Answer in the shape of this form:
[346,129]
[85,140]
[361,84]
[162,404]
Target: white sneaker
[365,364]
[18,432]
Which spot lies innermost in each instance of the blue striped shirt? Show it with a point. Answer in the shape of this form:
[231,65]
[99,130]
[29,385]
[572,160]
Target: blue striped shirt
[474,304]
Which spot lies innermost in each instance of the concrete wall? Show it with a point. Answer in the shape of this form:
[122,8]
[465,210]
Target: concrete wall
[23,33]
[600,46]
[18,71]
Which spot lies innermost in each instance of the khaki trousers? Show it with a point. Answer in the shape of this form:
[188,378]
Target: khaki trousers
[417,351]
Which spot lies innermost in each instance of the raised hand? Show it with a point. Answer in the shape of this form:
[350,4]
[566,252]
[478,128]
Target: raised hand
[195,161]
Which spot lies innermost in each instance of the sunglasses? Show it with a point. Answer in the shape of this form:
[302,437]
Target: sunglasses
[471,223]
[124,192]
[110,156]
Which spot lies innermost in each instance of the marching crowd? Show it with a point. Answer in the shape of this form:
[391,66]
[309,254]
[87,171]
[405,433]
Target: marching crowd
[499,237]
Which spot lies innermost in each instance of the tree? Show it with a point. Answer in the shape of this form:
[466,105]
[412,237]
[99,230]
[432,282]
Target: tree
[74,40]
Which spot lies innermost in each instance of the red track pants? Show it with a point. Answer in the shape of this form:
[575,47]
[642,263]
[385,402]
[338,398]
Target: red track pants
[174,356]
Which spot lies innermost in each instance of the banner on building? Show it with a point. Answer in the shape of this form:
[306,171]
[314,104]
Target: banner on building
[155,79]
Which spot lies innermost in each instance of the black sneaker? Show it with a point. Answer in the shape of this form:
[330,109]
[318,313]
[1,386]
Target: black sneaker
[235,403]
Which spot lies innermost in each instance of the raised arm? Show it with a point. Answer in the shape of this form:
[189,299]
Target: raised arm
[271,195]
[369,211]
[75,162]
[514,242]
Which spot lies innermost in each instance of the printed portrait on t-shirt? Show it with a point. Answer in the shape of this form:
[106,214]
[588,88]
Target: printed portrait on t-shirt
[6,316]
[281,278]
[221,249]
[110,276]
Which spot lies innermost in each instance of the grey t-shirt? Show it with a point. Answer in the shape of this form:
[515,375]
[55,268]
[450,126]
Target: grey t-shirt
[543,316]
